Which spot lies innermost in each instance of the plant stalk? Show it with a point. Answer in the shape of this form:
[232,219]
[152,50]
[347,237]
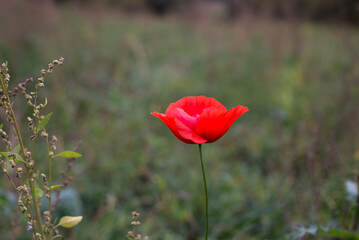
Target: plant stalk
[50,175]
[205,187]
[32,189]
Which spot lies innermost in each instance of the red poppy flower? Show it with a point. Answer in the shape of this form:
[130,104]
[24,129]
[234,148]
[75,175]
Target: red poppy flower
[199,119]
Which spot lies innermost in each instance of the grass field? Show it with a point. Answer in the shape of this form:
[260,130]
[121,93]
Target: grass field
[282,164]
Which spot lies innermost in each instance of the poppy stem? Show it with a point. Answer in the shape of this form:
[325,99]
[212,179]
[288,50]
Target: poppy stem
[205,187]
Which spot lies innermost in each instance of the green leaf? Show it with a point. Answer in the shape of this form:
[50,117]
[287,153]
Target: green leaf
[16,149]
[38,192]
[68,154]
[5,154]
[52,188]
[69,222]
[44,122]
[1,126]
[45,103]
[19,159]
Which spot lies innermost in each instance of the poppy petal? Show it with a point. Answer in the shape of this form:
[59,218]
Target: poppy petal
[212,125]
[181,131]
[195,105]
[185,118]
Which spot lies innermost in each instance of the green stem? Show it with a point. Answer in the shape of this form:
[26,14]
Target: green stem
[205,187]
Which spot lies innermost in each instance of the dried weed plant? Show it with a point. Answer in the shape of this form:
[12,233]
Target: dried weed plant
[20,163]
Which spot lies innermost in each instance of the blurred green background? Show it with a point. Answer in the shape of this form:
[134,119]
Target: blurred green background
[282,164]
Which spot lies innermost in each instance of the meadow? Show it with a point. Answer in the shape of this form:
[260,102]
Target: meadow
[282,165]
